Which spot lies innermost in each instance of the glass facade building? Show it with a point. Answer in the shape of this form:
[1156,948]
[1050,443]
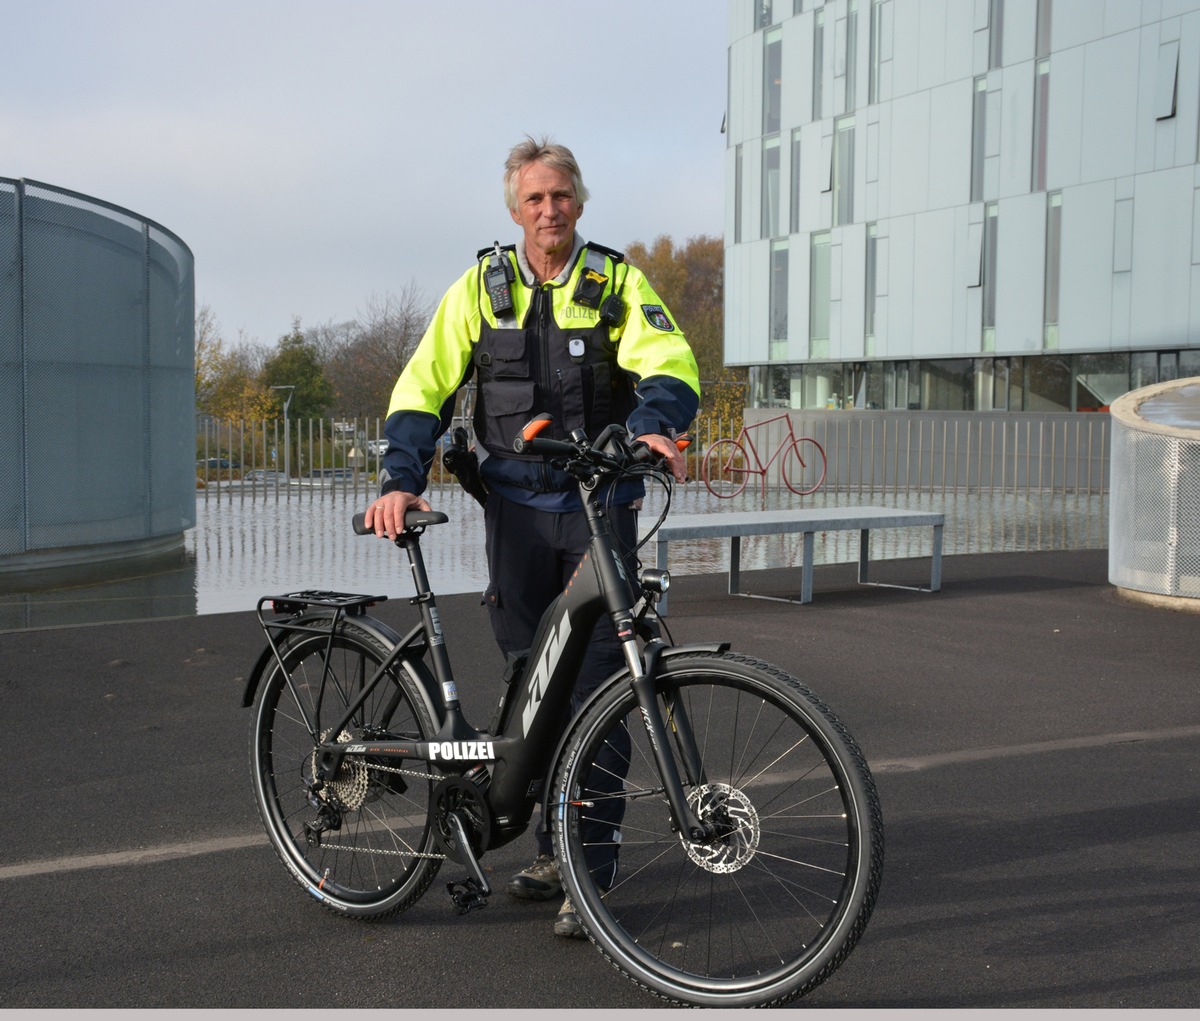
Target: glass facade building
[988,205]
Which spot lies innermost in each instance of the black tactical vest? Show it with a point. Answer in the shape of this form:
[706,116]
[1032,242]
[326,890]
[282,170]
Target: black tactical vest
[541,367]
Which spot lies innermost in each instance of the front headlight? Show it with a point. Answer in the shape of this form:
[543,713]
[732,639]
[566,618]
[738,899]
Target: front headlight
[654,580]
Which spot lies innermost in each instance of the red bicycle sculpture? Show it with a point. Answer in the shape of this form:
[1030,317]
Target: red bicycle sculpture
[728,463]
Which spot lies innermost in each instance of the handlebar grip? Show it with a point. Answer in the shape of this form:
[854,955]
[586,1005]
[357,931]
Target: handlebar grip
[359,523]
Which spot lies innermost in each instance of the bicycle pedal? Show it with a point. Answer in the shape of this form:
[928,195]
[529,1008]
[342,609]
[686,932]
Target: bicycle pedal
[466,896]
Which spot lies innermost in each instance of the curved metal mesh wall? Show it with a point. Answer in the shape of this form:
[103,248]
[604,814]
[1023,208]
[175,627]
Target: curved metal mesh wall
[96,373]
[1154,510]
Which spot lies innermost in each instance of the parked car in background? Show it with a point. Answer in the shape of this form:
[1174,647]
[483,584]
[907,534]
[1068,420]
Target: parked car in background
[327,476]
[265,477]
[217,469]
[377,447]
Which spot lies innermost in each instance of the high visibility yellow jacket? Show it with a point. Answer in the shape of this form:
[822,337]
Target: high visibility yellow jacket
[587,366]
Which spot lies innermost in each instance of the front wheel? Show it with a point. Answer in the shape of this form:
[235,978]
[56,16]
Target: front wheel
[725,468]
[770,907]
[804,466]
[361,843]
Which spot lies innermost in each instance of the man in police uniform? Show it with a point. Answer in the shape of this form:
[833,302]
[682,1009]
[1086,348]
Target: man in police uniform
[551,324]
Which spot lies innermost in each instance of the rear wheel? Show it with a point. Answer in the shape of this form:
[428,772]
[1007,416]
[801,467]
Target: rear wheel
[768,909]
[361,843]
[725,468]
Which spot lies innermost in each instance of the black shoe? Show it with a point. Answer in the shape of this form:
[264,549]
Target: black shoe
[567,923]
[538,882]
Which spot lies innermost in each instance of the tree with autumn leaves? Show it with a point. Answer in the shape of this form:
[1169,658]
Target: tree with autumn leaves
[690,279]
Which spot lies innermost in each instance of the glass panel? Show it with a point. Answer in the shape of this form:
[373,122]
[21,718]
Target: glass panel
[1043,28]
[1053,266]
[779,297]
[1049,383]
[948,384]
[819,291]
[1099,380]
[737,194]
[843,172]
[870,275]
[990,233]
[978,138]
[875,42]
[794,198]
[995,33]
[770,187]
[1143,369]
[851,54]
[1168,366]
[818,92]
[1041,120]
[772,79]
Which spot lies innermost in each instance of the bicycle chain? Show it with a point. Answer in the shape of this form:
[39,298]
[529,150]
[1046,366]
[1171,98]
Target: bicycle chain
[380,850]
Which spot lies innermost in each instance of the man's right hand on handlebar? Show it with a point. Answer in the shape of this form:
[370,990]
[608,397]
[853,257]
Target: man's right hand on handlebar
[385,517]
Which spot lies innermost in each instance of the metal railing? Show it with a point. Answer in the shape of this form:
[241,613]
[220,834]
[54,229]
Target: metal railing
[911,453]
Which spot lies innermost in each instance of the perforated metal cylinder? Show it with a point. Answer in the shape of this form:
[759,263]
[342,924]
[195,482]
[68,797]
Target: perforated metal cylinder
[1154,505]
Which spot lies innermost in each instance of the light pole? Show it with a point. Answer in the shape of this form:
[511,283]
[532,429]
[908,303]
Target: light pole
[287,433]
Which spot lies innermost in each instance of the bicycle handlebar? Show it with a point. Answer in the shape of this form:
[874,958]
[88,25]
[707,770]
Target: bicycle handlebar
[610,451]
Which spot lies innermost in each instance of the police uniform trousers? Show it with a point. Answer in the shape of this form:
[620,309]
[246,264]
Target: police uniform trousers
[532,554]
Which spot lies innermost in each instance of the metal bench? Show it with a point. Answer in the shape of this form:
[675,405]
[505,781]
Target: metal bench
[809,522]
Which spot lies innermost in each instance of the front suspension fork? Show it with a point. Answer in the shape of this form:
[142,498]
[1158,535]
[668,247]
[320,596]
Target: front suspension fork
[645,674]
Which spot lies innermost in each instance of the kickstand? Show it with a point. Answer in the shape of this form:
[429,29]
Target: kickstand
[466,896]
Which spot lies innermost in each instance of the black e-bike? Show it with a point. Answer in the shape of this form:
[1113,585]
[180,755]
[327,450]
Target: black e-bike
[743,817]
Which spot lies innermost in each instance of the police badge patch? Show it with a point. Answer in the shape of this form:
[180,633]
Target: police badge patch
[657,318]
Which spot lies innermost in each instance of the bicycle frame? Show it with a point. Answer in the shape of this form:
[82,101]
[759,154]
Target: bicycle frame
[529,725]
[747,440]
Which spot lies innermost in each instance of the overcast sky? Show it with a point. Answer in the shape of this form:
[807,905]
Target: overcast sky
[314,154]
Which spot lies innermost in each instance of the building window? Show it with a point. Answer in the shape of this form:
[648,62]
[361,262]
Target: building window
[1053,266]
[762,14]
[794,196]
[1042,42]
[1165,89]
[772,79]
[978,138]
[871,276]
[770,187]
[995,33]
[988,274]
[737,194]
[779,300]
[818,79]
[1041,120]
[843,171]
[819,292]
[875,43]
[851,54]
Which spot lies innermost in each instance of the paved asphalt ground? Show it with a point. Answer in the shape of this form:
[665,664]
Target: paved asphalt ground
[1035,739]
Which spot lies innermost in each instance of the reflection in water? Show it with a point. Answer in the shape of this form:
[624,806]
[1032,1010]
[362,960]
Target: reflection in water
[256,545]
